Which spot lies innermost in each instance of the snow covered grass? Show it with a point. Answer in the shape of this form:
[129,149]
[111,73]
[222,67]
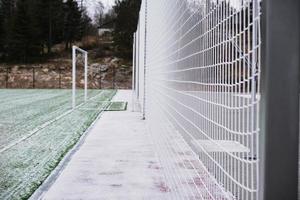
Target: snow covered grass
[31,142]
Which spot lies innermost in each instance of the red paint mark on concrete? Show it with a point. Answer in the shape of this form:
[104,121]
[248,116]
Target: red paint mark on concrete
[153,165]
[198,182]
[162,187]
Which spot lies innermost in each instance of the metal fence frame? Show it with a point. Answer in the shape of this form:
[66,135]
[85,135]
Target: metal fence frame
[279,99]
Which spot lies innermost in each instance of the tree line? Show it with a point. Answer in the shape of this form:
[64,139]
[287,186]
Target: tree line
[123,17]
[127,15]
[29,28]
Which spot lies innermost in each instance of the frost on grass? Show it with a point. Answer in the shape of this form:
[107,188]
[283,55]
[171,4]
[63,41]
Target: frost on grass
[26,165]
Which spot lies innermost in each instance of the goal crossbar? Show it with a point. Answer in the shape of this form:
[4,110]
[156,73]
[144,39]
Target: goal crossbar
[85,53]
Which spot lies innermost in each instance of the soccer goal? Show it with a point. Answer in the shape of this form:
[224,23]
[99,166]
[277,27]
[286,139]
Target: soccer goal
[76,49]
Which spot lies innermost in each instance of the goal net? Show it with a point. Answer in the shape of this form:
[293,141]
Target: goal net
[75,51]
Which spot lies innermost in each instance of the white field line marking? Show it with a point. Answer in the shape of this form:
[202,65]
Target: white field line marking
[67,156]
[88,109]
[48,182]
[34,131]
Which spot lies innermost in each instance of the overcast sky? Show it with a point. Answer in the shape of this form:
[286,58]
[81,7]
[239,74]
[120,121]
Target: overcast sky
[92,3]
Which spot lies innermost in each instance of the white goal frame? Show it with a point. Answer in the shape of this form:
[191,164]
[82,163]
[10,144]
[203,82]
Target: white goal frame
[85,53]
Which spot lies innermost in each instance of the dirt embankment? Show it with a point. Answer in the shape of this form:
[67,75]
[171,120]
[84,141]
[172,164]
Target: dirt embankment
[104,73]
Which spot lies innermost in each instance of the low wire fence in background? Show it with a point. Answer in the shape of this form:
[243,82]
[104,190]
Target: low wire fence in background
[197,70]
[56,76]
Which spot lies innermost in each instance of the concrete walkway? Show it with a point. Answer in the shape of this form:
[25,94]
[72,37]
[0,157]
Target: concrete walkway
[120,159]
[116,161]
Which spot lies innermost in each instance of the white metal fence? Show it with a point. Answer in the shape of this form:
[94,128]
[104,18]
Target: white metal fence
[197,69]
[139,58]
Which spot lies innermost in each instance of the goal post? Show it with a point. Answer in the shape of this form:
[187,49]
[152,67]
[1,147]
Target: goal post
[76,49]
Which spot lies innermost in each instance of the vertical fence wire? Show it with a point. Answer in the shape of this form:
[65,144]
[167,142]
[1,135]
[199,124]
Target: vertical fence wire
[203,73]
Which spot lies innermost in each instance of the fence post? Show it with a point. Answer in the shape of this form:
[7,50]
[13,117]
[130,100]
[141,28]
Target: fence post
[280,100]
[73,77]
[133,71]
[85,76]
[145,61]
[114,77]
[138,63]
[100,86]
[59,72]
[6,78]
[33,77]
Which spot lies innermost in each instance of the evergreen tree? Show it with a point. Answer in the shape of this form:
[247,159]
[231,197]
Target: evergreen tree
[86,24]
[7,10]
[23,42]
[99,14]
[1,30]
[127,13]
[72,19]
[28,26]
[50,21]
[108,20]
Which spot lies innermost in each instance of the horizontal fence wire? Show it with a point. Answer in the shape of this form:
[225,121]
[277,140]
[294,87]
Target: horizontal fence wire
[202,85]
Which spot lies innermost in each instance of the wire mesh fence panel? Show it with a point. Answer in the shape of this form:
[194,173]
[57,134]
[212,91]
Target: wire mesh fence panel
[202,72]
[140,57]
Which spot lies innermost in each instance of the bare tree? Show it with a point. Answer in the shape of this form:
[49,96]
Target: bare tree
[99,14]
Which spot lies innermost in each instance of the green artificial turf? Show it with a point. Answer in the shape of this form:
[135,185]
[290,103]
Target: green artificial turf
[117,106]
[25,165]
